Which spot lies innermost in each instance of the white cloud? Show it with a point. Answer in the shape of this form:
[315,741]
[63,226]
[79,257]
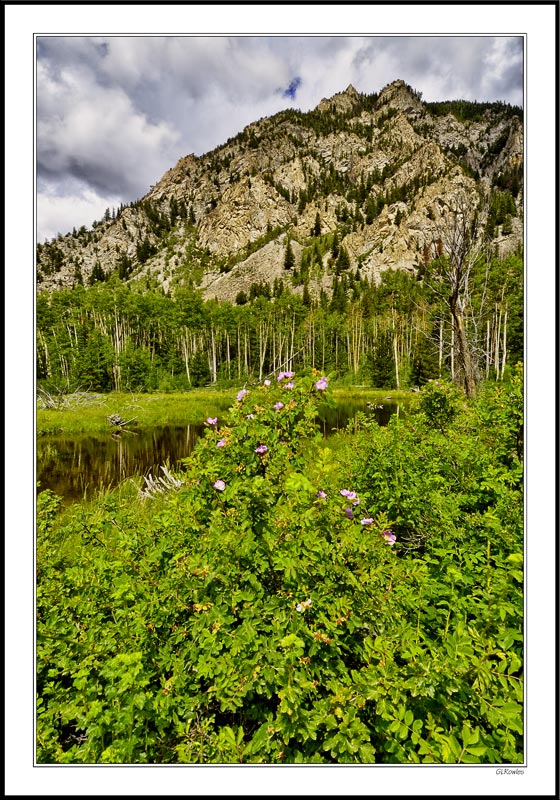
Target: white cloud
[94,133]
[114,113]
[53,212]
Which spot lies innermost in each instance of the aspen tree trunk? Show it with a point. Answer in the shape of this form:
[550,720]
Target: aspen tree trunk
[186,357]
[336,351]
[263,341]
[504,345]
[497,327]
[228,359]
[292,341]
[452,351]
[497,346]
[213,365]
[42,342]
[395,348]
[487,349]
[463,354]
[312,344]
[238,352]
[440,345]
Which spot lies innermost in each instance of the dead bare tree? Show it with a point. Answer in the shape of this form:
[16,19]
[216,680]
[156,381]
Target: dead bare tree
[458,246]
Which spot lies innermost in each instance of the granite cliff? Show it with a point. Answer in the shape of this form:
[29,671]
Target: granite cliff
[378,174]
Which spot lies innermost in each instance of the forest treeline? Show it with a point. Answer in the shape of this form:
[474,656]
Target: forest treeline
[111,336]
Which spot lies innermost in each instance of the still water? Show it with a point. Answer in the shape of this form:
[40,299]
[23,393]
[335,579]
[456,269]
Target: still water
[75,467]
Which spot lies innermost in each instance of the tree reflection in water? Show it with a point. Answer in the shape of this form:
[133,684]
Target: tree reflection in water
[76,467]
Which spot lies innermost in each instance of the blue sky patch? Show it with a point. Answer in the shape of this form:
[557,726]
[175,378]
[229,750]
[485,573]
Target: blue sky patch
[292,88]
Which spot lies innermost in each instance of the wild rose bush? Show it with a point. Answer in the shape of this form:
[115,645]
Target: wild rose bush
[265,613]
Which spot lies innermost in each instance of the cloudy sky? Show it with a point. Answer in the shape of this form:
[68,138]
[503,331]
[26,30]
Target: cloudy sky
[114,113]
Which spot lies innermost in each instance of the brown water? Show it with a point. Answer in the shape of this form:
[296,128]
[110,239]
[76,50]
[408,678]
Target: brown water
[76,467]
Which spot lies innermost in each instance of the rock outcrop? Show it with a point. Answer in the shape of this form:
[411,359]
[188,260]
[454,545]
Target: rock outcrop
[375,169]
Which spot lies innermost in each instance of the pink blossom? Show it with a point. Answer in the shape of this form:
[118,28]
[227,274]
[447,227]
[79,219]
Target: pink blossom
[267,383]
[289,385]
[262,448]
[242,394]
[279,405]
[321,494]
[219,485]
[389,537]
[366,521]
[350,496]
[322,384]
[211,421]
[221,443]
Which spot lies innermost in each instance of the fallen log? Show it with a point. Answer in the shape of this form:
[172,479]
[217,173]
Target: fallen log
[118,421]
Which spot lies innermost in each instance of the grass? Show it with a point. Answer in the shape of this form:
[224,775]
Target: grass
[146,410]
[87,414]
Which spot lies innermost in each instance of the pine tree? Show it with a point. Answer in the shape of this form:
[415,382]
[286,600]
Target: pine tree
[335,245]
[316,231]
[289,258]
[97,274]
[342,262]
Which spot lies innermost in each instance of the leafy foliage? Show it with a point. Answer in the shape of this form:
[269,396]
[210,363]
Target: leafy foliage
[286,607]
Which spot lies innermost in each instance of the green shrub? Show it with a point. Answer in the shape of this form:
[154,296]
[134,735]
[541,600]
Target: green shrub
[277,608]
[439,401]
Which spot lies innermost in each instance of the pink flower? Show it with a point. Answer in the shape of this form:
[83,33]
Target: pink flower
[389,537]
[262,448]
[350,496]
[211,421]
[279,405]
[250,416]
[321,494]
[219,485]
[242,394]
[289,385]
[366,521]
[322,384]
[221,443]
[267,383]
[349,513]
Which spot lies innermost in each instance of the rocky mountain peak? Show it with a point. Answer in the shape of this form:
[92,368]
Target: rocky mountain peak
[371,171]
[400,96]
[341,102]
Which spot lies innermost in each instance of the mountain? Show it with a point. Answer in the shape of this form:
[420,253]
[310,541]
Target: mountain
[363,182]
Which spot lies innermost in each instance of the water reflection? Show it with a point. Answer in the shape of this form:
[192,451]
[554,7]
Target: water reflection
[332,420]
[76,467]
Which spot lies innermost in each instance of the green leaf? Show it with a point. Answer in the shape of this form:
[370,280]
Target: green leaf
[454,745]
[297,482]
[477,749]
[292,641]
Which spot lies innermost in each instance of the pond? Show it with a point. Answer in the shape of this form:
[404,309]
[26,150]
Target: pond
[76,467]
